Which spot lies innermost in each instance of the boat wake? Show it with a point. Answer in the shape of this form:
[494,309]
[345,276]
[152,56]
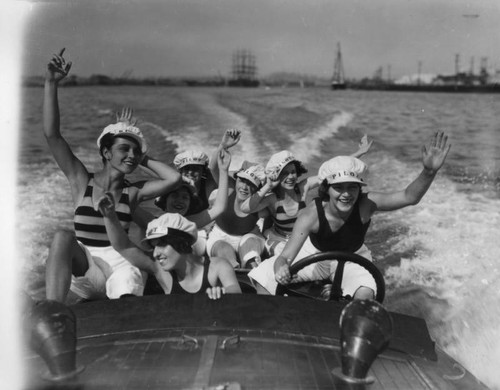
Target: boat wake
[309,146]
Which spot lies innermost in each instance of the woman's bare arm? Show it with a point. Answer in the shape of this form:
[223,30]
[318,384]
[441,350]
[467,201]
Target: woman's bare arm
[433,157]
[230,138]
[119,238]
[71,166]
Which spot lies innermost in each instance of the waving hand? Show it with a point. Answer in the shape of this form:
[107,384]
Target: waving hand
[58,68]
[230,138]
[435,152]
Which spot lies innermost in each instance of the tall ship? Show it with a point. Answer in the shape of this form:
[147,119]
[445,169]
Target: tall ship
[338,78]
[244,70]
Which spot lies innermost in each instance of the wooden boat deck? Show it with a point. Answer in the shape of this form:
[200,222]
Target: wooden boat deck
[238,342]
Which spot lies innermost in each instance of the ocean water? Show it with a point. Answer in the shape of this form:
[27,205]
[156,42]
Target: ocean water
[441,258]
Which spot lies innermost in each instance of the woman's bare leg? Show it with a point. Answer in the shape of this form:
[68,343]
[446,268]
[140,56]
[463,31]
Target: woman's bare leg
[226,251]
[65,258]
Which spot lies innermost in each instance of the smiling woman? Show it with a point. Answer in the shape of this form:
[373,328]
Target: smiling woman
[85,262]
[236,235]
[283,195]
[177,269]
[339,219]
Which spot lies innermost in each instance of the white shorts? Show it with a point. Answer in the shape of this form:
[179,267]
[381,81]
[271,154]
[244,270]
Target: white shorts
[217,234]
[109,275]
[355,276]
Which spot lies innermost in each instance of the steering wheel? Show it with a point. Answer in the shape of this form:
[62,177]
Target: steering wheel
[341,258]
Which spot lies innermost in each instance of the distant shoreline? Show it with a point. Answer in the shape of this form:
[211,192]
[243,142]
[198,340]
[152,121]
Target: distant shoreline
[287,80]
[284,80]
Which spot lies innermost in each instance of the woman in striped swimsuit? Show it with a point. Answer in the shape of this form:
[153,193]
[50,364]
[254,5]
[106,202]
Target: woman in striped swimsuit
[85,260]
[284,198]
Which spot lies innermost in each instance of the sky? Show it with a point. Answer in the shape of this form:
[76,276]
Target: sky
[183,38]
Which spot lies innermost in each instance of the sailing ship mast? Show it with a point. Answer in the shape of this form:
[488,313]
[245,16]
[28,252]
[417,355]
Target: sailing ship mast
[244,70]
[338,78]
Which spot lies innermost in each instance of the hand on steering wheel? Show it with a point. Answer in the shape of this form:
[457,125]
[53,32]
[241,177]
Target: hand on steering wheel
[341,258]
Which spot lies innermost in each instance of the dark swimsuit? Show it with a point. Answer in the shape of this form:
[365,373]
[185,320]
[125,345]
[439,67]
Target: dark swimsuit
[233,224]
[349,238]
[153,287]
[177,288]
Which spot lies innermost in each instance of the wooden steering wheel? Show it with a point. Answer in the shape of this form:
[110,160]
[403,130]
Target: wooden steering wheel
[341,258]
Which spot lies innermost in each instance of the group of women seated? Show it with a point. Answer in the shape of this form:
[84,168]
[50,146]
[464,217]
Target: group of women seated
[209,221]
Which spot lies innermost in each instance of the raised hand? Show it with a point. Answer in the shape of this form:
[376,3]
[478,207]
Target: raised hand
[272,181]
[273,177]
[435,152]
[364,144]
[224,159]
[57,68]
[230,138]
[126,116]
[106,204]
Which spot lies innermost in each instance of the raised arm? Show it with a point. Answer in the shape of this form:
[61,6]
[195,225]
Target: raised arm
[169,179]
[71,166]
[262,199]
[230,138]
[433,157]
[204,217]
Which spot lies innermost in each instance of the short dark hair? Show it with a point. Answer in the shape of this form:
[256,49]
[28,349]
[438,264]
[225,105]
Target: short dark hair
[108,140]
[254,187]
[180,245]
[301,169]
[161,201]
[323,191]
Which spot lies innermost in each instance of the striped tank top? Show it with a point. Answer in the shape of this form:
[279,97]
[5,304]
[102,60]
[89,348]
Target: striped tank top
[285,217]
[89,224]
